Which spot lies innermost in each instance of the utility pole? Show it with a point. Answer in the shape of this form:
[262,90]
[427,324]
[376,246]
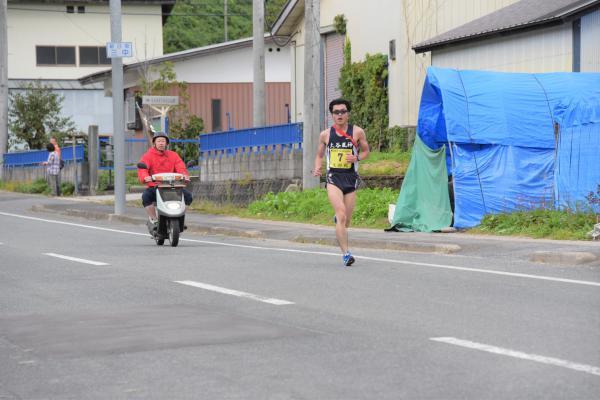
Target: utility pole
[225,19]
[258,55]
[312,80]
[117,97]
[3,84]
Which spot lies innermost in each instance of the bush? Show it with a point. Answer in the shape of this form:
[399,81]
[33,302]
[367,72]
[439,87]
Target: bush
[67,189]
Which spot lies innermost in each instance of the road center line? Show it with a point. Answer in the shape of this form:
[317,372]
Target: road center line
[385,260]
[237,293]
[588,369]
[81,260]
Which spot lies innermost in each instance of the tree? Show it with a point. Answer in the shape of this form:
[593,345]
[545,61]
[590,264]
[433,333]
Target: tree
[35,114]
[162,81]
[364,83]
[196,24]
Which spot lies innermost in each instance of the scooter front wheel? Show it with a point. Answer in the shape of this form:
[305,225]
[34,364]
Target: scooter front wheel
[174,232]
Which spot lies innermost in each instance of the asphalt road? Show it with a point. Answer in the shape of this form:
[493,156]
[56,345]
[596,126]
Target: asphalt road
[95,310]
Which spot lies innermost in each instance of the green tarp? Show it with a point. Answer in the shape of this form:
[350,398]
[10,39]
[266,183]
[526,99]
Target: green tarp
[423,204]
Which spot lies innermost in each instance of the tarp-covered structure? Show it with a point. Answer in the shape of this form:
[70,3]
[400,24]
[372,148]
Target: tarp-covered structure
[512,141]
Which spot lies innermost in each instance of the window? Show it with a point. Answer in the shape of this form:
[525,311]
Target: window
[55,55]
[92,55]
[81,9]
[70,9]
[216,115]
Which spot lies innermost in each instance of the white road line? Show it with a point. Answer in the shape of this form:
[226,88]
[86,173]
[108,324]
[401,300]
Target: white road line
[81,260]
[588,369]
[385,260]
[485,271]
[232,292]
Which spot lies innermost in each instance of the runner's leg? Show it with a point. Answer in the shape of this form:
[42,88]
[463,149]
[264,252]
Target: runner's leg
[336,198]
[349,202]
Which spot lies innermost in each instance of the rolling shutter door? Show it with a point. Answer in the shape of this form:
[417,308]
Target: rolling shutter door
[334,59]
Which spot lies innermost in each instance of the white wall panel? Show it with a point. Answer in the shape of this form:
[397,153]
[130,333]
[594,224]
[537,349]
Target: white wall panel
[590,42]
[548,50]
[235,66]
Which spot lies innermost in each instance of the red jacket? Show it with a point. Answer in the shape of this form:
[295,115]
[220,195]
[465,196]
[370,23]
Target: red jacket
[160,161]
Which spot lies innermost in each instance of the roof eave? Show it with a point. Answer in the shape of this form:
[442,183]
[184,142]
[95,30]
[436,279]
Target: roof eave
[485,35]
[286,22]
[566,15]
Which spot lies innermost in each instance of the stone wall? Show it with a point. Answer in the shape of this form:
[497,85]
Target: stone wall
[30,174]
[272,164]
[241,192]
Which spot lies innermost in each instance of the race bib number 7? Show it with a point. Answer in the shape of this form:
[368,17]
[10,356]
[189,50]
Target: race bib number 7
[337,158]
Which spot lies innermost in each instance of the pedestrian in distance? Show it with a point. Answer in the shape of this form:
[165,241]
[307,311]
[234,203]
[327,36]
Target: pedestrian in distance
[56,147]
[344,145]
[53,169]
[159,159]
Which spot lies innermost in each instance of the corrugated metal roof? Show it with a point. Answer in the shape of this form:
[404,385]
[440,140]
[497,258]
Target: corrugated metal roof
[525,14]
[58,84]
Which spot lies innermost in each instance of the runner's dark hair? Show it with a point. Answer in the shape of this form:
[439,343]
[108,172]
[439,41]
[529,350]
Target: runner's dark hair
[337,102]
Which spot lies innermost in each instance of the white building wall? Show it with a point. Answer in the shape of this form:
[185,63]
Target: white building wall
[235,66]
[370,30]
[88,107]
[590,42]
[545,50]
[421,20]
[54,27]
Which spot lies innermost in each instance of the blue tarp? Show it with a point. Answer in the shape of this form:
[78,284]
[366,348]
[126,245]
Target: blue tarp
[517,140]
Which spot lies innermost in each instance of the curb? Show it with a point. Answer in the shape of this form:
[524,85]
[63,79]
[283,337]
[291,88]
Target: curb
[385,245]
[565,257]
[255,234]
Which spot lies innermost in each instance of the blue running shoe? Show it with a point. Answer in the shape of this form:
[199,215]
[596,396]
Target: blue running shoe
[348,259]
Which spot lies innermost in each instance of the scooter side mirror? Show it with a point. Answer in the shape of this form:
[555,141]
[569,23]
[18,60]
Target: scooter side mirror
[142,165]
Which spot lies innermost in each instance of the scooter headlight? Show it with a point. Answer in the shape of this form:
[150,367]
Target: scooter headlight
[172,205]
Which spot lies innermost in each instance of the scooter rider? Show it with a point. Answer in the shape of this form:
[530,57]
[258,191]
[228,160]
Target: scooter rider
[159,160]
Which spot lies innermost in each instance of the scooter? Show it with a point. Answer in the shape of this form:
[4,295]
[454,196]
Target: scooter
[170,206]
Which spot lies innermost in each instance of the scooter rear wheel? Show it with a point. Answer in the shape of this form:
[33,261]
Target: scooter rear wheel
[174,232]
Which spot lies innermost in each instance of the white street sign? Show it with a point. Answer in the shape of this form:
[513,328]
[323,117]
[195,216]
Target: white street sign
[160,100]
[123,49]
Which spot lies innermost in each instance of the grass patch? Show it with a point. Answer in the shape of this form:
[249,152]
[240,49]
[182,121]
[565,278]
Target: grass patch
[546,224]
[39,186]
[312,206]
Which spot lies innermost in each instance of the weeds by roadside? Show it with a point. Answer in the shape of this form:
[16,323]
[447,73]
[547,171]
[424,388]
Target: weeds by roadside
[39,186]
[547,224]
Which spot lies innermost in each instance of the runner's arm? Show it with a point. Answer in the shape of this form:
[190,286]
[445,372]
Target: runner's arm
[320,153]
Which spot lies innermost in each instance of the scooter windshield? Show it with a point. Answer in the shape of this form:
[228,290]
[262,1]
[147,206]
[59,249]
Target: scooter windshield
[171,194]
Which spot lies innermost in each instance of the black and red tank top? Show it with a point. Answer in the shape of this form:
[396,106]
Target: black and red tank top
[337,149]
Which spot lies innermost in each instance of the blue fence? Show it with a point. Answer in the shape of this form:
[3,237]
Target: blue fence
[35,157]
[211,144]
[256,139]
